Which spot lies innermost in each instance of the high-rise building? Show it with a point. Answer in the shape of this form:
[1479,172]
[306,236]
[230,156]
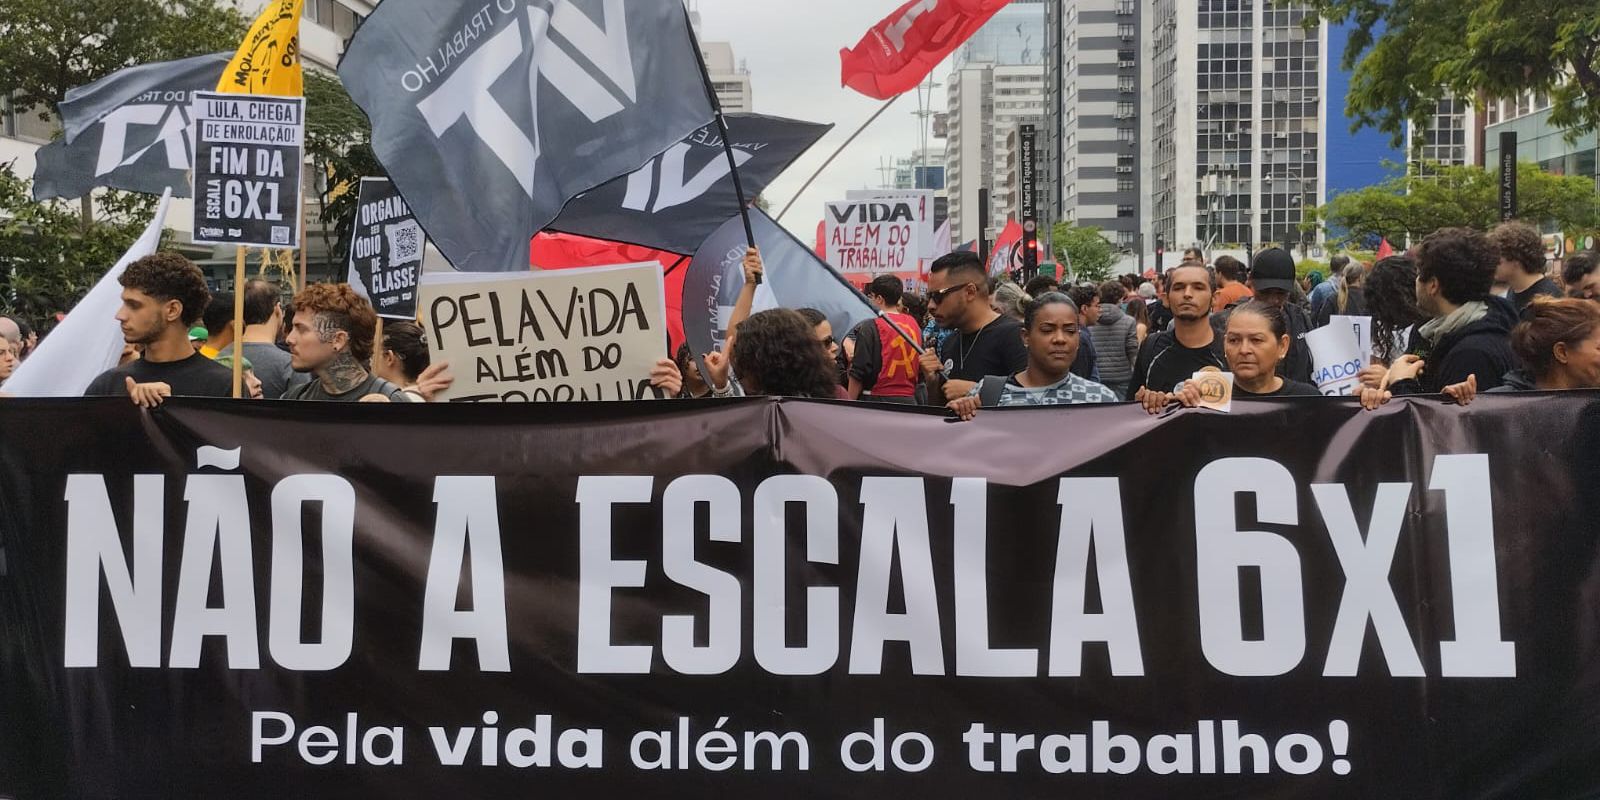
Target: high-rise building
[1013,37]
[1453,136]
[921,170]
[729,77]
[1239,109]
[1528,115]
[1097,116]
[985,102]
[998,80]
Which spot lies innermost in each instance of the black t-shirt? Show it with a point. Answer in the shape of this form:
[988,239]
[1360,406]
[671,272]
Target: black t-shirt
[1164,363]
[995,350]
[1289,389]
[1544,288]
[195,376]
[315,391]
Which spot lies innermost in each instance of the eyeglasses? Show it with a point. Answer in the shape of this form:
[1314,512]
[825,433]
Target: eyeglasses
[938,295]
[826,342]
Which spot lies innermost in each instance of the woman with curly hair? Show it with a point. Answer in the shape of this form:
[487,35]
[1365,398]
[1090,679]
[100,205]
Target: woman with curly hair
[1391,298]
[776,352]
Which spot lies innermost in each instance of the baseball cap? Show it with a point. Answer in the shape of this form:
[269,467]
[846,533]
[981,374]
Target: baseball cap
[1273,269]
[198,334]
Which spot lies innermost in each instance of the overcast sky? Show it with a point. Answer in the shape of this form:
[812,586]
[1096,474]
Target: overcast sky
[792,51]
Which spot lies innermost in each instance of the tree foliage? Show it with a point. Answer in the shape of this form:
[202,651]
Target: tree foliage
[1413,205]
[51,46]
[1409,54]
[1085,253]
[48,257]
[339,144]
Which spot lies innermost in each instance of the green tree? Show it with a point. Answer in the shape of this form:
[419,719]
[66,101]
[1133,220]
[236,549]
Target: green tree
[1084,252]
[339,145]
[51,46]
[1409,54]
[49,257]
[1412,205]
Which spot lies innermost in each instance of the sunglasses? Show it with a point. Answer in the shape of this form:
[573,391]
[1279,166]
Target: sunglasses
[938,295]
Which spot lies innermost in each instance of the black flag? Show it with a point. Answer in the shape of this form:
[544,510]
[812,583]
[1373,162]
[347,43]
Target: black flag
[128,130]
[490,117]
[683,195]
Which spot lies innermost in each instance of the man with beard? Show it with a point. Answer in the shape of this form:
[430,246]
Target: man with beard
[332,341]
[162,297]
[1169,358]
[985,343]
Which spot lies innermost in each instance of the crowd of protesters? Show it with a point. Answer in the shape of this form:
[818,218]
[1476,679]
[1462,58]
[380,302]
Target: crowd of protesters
[1464,312]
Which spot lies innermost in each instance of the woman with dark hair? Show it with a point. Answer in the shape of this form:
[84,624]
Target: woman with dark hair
[1257,338]
[776,352]
[694,383]
[1391,298]
[917,306]
[1051,331]
[1140,311]
[402,356]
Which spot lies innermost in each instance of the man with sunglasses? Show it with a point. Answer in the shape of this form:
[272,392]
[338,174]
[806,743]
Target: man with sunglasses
[984,343]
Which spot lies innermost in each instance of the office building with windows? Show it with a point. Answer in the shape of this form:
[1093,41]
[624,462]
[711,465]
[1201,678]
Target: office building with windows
[1239,110]
[1097,116]
[998,81]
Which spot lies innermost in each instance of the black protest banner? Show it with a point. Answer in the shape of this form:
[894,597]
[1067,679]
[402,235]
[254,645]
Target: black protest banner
[565,335]
[247,169]
[386,249]
[799,599]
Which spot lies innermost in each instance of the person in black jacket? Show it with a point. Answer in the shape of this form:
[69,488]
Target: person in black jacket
[1470,330]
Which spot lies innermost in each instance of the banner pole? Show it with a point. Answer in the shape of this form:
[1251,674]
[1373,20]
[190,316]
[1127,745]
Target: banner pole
[377,347]
[877,312]
[722,127]
[304,275]
[238,317]
[836,153]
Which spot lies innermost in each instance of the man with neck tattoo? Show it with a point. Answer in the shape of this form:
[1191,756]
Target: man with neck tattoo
[332,341]
[984,343]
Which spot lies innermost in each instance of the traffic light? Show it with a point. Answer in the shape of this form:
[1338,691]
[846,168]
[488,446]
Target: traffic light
[1161,252]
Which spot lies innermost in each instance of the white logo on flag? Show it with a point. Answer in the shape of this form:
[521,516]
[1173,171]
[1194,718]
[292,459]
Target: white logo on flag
[465,95]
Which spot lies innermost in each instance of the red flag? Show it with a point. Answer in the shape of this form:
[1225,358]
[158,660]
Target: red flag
[822,239]
[1005,247]
[1385,250]
[551,251]
[899,52]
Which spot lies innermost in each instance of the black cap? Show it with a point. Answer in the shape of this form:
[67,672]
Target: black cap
[1274,269]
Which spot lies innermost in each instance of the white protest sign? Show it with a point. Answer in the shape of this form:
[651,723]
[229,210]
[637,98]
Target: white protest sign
[1362,327]
[1336,359]
[563,335]
[878,235]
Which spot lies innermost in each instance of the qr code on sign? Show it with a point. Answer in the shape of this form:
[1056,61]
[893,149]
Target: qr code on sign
[405,242]
[280,234]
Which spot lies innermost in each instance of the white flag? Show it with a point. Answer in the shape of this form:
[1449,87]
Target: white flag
[89,341]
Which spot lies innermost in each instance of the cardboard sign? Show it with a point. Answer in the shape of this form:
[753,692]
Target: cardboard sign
[582,334]
[248,153]
[867,236]
[1216,389]
[1337,358]
[386,249]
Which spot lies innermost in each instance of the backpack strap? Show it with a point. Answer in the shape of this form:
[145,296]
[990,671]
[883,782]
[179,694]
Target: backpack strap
[990,389]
